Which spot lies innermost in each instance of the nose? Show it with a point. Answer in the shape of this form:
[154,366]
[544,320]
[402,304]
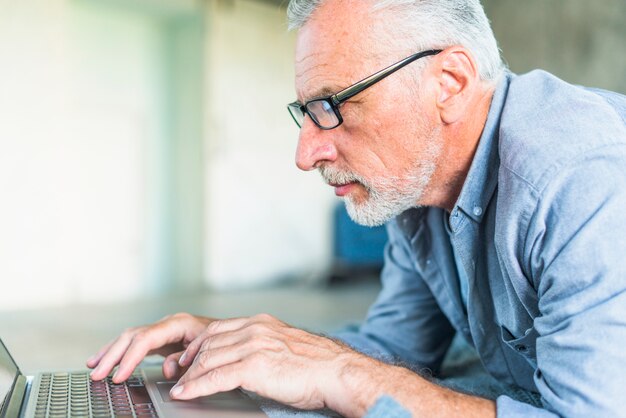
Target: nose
[315,145]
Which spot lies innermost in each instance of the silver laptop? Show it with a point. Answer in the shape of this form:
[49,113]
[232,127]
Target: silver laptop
[73,394]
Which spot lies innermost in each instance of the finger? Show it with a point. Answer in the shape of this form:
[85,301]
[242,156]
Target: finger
[171,369]
[211,359]
[222,379]
[112,357]
[214,328]
[95,359]
[144,342]
[214,342]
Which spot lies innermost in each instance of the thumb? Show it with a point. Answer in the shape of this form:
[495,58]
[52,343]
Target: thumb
[171,369]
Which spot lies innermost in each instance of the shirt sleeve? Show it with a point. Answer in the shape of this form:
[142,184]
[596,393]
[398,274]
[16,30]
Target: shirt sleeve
[576,250]
[405,324]
[387,407]
[509,408]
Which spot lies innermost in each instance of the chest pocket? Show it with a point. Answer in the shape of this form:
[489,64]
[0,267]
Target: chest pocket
[525,346]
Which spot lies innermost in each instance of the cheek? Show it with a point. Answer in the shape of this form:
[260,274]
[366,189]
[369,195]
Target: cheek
[375,149]
[382,141]
[369,151]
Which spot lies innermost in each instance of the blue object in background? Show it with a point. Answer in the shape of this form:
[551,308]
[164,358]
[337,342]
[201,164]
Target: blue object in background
[356,249]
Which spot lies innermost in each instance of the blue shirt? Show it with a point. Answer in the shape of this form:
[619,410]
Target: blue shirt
[540,232]
[460,268]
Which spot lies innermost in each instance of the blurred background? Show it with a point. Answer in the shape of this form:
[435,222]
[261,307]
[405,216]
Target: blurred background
[145,147]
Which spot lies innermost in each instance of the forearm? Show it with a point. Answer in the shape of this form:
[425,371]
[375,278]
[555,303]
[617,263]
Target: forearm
[364,380]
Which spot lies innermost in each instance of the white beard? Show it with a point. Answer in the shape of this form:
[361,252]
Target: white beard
[388,196]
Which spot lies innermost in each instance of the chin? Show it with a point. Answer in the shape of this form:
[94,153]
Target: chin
[365,215]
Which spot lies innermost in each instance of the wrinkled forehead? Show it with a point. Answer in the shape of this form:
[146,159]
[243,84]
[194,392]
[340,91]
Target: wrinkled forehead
[338,45]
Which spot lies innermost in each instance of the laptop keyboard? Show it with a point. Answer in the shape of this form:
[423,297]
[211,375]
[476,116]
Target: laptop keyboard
[76,395]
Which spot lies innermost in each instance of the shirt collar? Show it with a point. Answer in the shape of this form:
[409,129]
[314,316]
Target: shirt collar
[482,177]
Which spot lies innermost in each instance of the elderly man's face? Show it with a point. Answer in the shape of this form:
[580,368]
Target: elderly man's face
[382,157]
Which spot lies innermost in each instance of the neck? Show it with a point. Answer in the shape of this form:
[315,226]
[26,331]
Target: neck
[460,141]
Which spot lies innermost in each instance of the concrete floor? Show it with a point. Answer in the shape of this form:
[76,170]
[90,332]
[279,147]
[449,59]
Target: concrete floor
[63,338]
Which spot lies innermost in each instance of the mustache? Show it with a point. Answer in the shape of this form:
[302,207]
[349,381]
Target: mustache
[332,175]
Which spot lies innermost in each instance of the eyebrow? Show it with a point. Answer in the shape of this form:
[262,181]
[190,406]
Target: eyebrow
[322,93]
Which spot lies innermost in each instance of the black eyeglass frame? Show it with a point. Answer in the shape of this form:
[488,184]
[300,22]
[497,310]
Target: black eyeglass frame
[338,98]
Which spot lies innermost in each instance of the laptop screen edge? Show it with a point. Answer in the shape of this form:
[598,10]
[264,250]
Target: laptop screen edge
[9,371]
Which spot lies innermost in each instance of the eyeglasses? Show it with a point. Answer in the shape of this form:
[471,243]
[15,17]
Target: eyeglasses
[324,112]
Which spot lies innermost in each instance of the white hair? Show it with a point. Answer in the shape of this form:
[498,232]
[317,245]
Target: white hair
[433,24]
[389,196]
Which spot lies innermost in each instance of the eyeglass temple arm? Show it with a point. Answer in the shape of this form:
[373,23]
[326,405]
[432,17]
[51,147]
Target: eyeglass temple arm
[358,87]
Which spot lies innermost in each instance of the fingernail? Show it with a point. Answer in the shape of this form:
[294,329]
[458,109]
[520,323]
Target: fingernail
[173,364]
[176,390]
[182,359]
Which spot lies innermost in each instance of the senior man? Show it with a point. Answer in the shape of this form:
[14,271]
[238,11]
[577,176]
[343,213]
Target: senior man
[504,197]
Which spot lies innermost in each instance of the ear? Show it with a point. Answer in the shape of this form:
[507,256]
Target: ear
[458,79]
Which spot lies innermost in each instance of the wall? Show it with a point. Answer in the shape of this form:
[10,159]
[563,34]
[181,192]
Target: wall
[70,166]
[580,41]
[92,111]
[267,221]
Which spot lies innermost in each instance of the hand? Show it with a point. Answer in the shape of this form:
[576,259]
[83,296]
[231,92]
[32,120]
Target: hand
[266,356]
[167,337]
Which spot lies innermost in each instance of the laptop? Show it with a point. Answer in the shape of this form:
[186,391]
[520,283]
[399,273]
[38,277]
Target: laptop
[73,394]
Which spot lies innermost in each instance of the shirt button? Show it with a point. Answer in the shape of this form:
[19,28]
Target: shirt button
[478,211]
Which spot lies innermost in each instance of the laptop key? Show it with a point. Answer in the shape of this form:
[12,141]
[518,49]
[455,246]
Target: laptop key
[139,395]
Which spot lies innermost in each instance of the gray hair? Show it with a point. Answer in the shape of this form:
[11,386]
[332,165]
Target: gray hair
[433,24]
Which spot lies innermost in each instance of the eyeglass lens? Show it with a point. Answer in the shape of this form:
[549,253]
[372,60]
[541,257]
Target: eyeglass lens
[322,113]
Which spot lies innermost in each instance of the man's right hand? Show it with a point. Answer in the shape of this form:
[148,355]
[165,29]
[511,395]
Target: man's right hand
[168,337]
